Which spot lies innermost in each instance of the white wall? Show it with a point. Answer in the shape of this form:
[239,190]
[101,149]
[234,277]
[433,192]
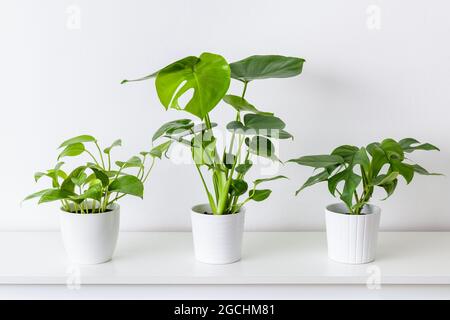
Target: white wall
[359,84]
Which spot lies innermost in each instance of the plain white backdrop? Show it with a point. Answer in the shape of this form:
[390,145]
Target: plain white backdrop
[374,69]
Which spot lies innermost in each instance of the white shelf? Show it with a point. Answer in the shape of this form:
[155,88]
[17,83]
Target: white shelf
[268,258]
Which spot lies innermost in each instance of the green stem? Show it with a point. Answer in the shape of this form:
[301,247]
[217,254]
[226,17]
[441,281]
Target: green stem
[100,153]
[92,156]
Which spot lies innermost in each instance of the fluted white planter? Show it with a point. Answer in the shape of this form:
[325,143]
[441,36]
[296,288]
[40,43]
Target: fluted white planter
[90,238]
[217,238]
[352,238]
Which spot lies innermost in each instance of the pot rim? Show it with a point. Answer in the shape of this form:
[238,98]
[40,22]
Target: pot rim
[374,209]
[194,210]
[114,208]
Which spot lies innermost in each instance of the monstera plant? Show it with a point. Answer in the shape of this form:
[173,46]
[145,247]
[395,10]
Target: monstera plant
[208,78]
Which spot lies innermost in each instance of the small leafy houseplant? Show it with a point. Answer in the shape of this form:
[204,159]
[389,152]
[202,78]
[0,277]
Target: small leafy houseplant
[89,194]
[222,172]
[352,174]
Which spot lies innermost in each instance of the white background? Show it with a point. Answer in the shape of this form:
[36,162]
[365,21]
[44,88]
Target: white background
[359,85]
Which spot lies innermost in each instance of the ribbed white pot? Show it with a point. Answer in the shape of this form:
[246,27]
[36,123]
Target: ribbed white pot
[352,238]
[217,238]
[90,238]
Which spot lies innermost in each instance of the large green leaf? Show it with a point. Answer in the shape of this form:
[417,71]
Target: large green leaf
[128,185]
[208,76]
[266,66]
[72,150]
[392,149]
[319,161]
[242,105]
[78,139]
[260,121]
[351,182]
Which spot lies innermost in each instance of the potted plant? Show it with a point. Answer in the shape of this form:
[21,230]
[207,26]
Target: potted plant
[89,195]
[218,225]
[352,174]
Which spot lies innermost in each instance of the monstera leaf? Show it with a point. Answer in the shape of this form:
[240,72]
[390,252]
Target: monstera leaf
[267,66]
[208,76]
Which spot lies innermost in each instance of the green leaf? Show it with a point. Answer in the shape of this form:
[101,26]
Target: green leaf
[80,180]
[351,182]
[260,121]
[238,187]
[319,161]
[346,151]
[68,184]
[77,140]
[244,167]
[172,125]
[203,148]
[101,175]
[261,146]
[242,105]
[258,181]
[266,66]
[228,160]
[385,179]
[236,126]
[360,157]
[320,177]
[259,195]
[404,169]
[133,162]
[389,188]
[421,170]
[161,149]
[208,76]
[379,158]
[55,195]
[37,194]
[72,150]
[128,185]
[94,192]
[279,134]
[407,145]
[392,149]
[116,143]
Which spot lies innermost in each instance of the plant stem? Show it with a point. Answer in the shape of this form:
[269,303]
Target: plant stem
[100,153]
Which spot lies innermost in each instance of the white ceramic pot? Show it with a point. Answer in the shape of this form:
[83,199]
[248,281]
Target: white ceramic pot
[217,238]
[90,238]
[352,238]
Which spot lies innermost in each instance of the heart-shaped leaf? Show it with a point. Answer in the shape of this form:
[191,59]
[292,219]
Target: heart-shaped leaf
[78,139]
[72,150]
[116,143]
[128,185]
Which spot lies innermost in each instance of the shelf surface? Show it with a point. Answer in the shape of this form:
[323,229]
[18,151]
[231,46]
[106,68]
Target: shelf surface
[268,258]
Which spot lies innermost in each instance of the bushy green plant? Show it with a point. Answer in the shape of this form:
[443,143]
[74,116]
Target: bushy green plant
[377,165]
[209,76]
[94,186]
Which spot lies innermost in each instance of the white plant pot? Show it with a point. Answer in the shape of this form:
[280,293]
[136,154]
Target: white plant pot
[352,238]
[90,238]
[217,238]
